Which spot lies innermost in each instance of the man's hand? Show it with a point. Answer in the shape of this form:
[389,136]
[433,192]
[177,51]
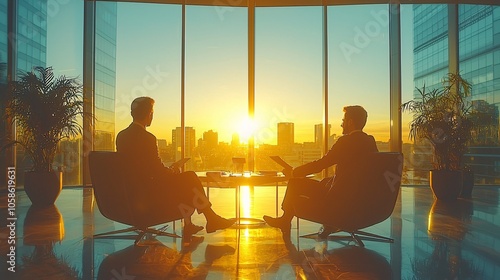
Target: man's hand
[288,172]
[173,169]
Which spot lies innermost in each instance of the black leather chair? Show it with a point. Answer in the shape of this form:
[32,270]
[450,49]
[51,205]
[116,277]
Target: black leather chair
[123,196]
[369,203]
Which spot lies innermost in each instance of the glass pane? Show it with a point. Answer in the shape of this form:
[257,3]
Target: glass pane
[480,64]
[216,87]
[408,88]
[430,65]
[288,85]
[105,75]
[148,64]
[359,67]
[3,81]
[64,50]
[51,36]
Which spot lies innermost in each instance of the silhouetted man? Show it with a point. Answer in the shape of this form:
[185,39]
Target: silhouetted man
[346,154]
[183,191]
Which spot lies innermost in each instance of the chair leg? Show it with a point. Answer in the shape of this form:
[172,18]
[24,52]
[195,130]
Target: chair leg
[375,236]
[357,239]
[115,232]
[357,236]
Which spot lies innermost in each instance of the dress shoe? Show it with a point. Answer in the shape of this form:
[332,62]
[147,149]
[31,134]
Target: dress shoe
[190,243]
[280,223]
[217,223]
[190,229]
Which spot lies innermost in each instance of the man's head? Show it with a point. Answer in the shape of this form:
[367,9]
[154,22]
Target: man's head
[354,119]
[141,110]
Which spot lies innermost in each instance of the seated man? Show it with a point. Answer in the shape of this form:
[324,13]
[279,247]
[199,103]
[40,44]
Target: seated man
[183,191]
[346,153]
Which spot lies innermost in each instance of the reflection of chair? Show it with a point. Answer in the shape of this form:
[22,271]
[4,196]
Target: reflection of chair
[349,262]
[124,197]
[365,204]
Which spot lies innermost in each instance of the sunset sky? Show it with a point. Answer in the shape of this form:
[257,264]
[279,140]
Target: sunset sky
[288,78]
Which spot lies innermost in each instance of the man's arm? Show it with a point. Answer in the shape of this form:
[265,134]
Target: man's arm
[331,158]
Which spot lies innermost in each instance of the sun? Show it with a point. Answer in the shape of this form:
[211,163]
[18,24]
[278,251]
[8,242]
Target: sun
[245,129]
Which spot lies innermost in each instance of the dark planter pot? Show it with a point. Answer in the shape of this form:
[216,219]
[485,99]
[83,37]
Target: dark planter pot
[446,184]
[467,183]
[43,188]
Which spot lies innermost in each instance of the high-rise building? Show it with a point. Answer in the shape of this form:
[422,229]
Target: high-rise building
[210,139]
[105,76]
[479,63]
[189,140]
[285,134]
[31,36]
[319,132]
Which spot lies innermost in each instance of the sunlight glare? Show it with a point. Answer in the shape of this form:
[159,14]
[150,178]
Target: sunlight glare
[246,129]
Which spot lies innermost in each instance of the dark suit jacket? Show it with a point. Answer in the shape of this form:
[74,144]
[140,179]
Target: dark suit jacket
[347,153]
[141,150]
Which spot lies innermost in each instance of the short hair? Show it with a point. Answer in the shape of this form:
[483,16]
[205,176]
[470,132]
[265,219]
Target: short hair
[357,114]
[141,107]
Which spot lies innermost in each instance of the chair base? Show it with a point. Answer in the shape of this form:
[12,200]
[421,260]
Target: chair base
[357,236]
[141,232]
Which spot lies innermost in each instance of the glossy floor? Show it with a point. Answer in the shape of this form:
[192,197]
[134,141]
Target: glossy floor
[433,240]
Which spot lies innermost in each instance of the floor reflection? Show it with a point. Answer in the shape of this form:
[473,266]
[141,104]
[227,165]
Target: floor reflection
[154,260]
[43,228]
[449,222]
[433,240]
[349,262]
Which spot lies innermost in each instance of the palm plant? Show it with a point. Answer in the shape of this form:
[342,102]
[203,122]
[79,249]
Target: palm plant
[442,116]
[45,110]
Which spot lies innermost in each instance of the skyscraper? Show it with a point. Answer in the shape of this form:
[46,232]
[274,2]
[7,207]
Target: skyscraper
[189,140]
[105,76]
[210,139]
[479,63]
[285,134]
[31,36]
[318,134]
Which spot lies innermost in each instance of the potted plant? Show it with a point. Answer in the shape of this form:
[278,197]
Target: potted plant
[45,110]
[442,117]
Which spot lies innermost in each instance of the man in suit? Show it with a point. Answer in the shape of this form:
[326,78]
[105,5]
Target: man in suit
[347,154]
[183,191]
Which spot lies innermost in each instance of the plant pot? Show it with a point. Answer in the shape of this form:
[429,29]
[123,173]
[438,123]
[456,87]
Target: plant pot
[446,184]
[467,183]
[43,188]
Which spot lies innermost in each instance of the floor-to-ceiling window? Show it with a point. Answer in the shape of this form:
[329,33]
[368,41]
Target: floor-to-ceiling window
[358,63]
[288,85]
[216,88]
[64,49]
[148,63]
[3,80]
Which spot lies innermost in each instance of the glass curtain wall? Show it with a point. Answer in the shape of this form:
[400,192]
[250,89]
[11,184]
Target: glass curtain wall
[105,76]
[479,49]
[288,85]
[216,88]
